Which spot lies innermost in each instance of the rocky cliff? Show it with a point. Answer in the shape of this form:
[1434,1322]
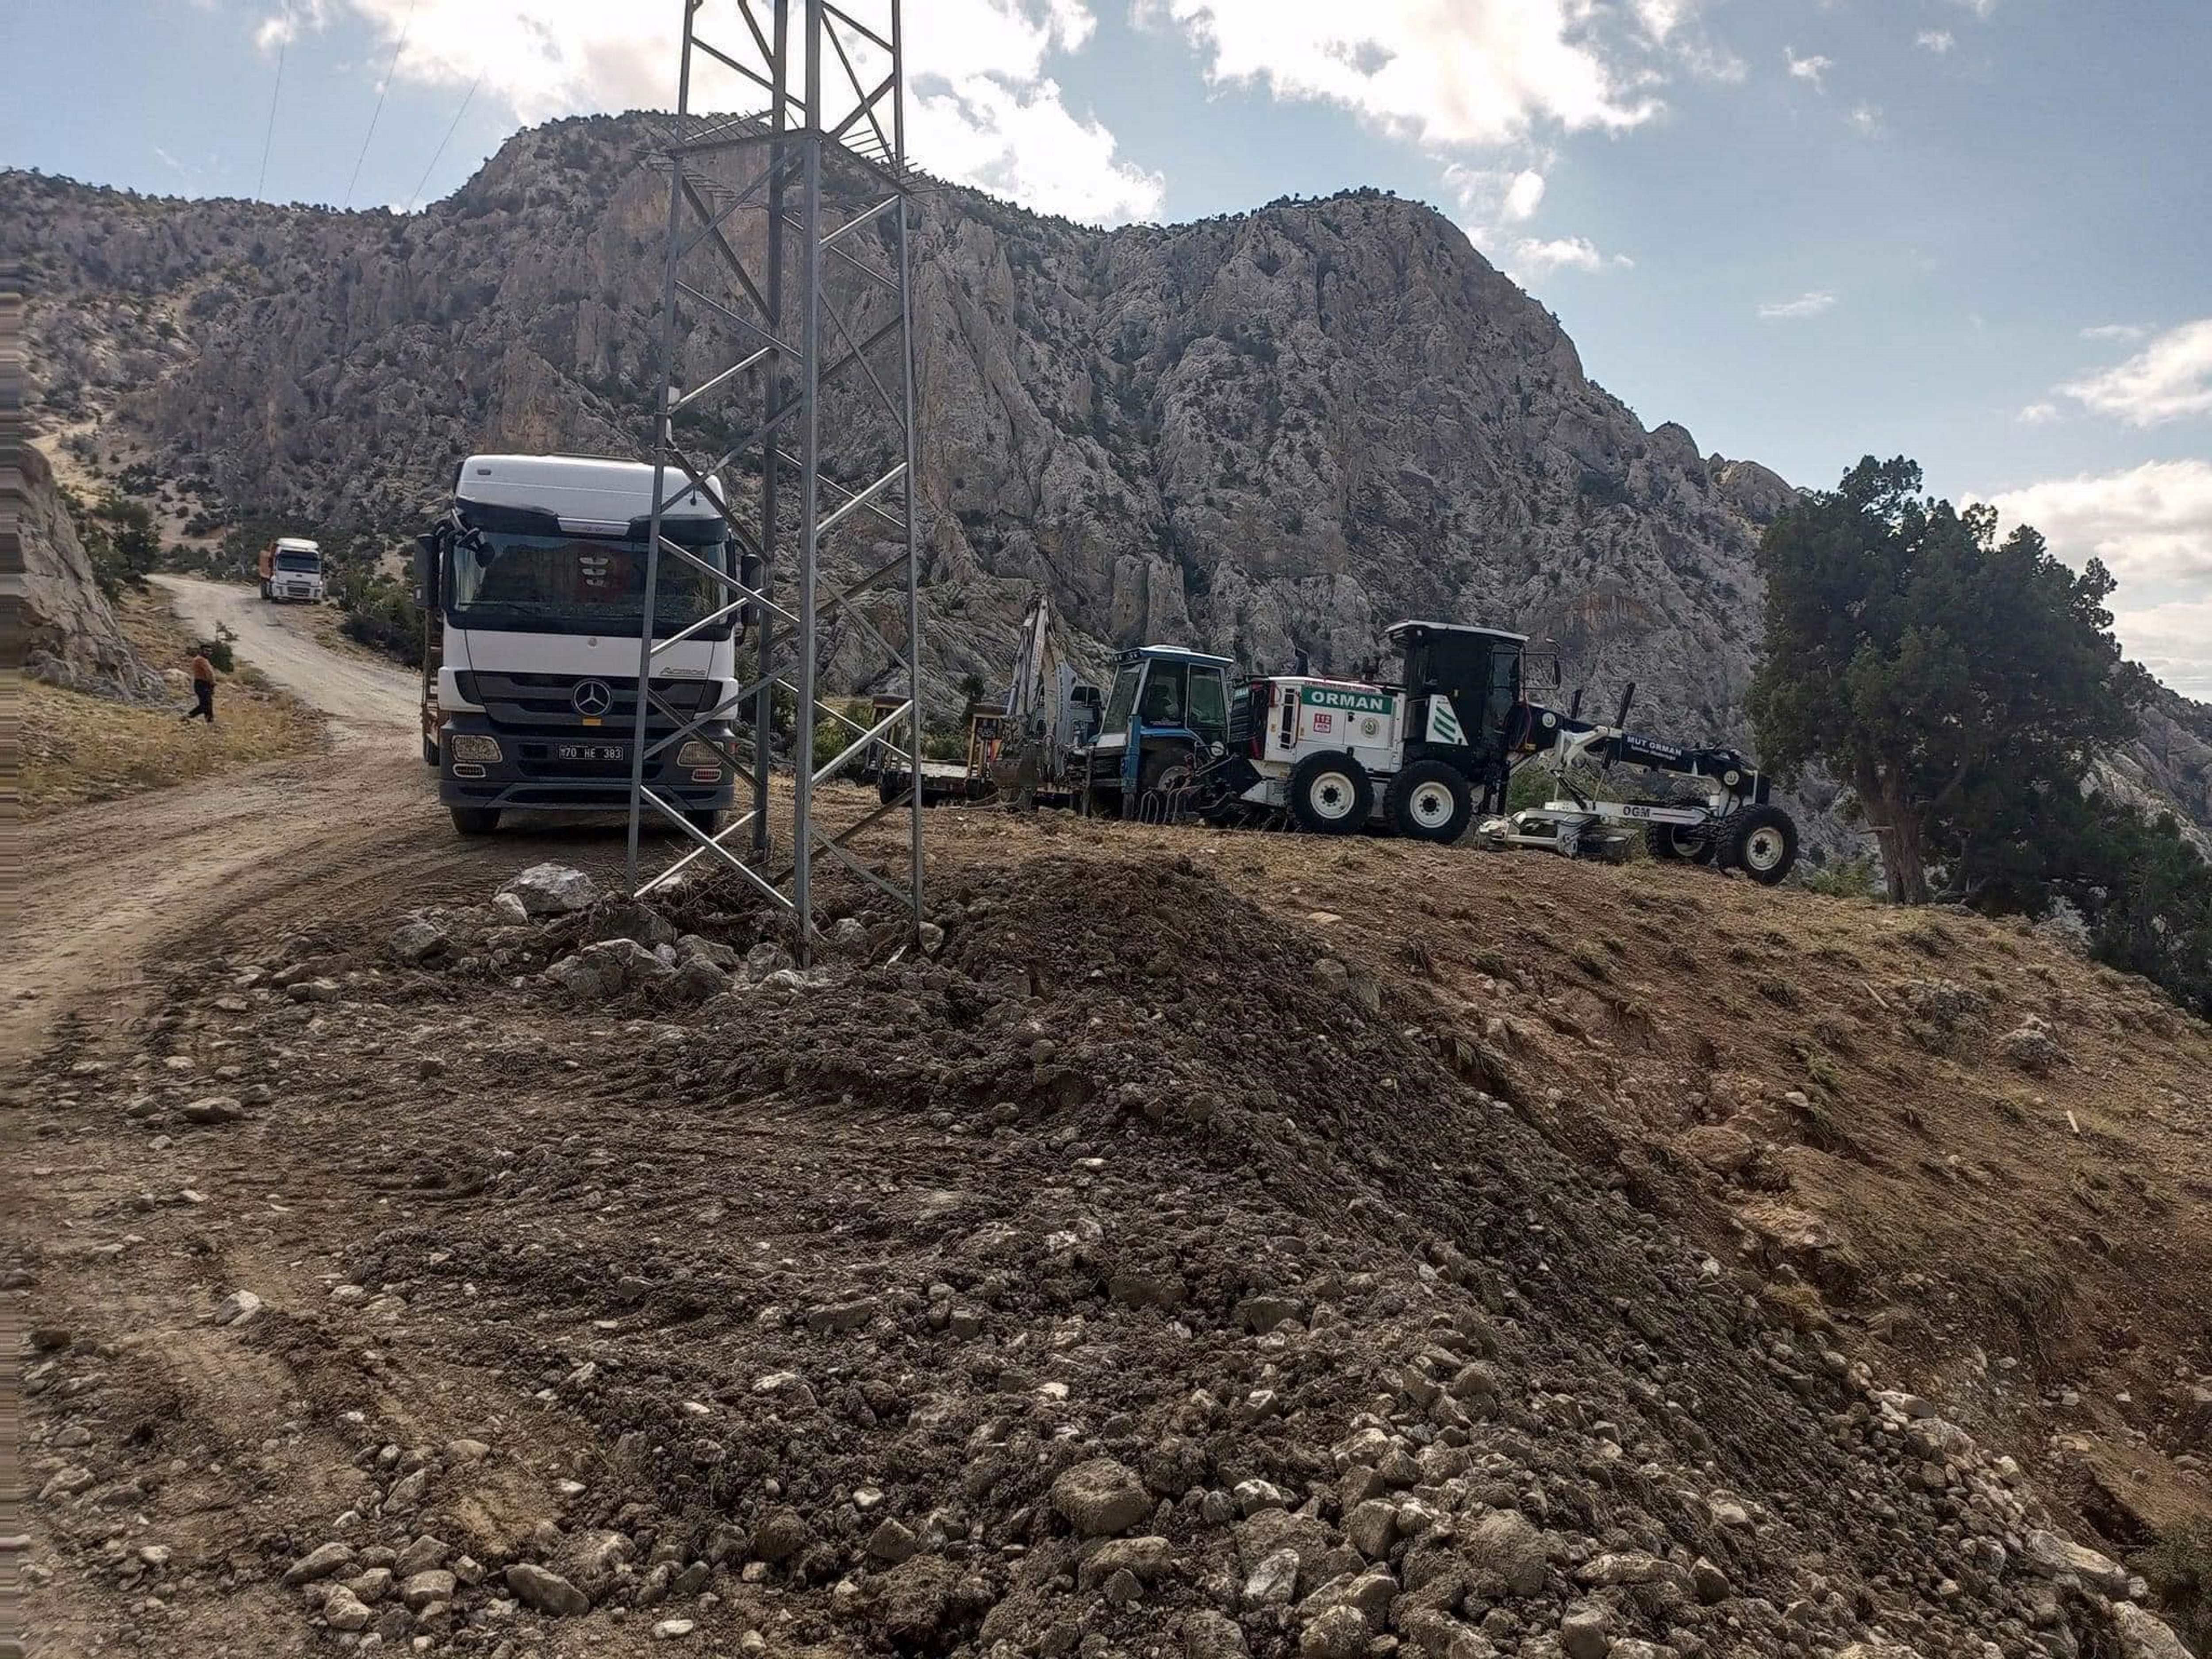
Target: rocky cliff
[1274,432]
[55,625]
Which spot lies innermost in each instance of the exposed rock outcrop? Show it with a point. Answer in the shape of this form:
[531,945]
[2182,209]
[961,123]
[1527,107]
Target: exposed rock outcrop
[55,625]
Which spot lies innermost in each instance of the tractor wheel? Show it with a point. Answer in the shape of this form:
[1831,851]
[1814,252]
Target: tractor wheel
[1678,841]
[1429,801]
[888,786]
[475,820]
[1331,794]
[1759,840]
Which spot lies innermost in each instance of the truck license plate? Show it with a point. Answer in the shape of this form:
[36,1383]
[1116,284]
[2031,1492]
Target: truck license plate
[591,751]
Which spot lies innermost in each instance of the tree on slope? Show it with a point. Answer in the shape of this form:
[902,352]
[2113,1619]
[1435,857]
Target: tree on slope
[1954,681]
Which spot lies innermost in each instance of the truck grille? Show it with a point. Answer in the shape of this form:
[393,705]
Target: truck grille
[511,701]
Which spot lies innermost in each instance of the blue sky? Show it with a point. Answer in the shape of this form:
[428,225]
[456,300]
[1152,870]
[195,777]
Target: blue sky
[1979,232]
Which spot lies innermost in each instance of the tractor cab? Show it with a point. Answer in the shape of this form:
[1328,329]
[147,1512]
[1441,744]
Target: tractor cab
[1167,715]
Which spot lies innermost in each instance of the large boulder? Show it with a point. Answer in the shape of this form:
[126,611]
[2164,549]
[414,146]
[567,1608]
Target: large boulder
[553,889]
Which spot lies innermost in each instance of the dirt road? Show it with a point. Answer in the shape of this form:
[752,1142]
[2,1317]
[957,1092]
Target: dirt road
[364,698]
[107,887]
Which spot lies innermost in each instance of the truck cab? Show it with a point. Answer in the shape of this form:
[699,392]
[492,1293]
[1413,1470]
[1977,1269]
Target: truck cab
[533,597]
[1166,715]
[292,568]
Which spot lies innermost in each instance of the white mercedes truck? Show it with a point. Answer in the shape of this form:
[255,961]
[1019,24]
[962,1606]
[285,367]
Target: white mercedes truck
[532,589]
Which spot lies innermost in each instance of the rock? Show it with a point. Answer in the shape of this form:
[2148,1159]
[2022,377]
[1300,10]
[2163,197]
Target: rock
[552,890]
[424,1588]
[509,909]
[780,1535]
[1587,1631]
[406,1491]
[1720,1147]
[417,941]
[2032,1048]
[1369,1594]
[697,979]
[765,958]
[1254,1496]
[1339,1633]
[344,1611]
[2143,1635]
[420,1555]
[467,1451]
[1505,1548]
[237,1307]
[932,937]
[320,1563]
[671,1630]
[1710,1583]
[536,1588]
[68,1482]
[212,1108]
[1372,1528]
[1436,1635]
[1262,1314]
[626,918]
[847,934]
[1148,1558]
[1627,1567]
[1101,1497]
[371,1586]
[605,970]
[1124,1588]
[843,1316]
[1331,975]
[1274,1582]
[1210,1635]
[891,1542]
[2050,1556]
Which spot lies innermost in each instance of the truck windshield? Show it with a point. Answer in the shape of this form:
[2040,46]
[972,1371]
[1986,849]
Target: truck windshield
[576,585]
[299,562]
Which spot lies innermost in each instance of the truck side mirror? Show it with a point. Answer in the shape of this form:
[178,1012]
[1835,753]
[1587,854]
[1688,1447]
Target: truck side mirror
[428,548]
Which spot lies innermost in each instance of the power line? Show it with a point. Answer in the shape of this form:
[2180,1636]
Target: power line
[283,34]
[397,46]
[445,141]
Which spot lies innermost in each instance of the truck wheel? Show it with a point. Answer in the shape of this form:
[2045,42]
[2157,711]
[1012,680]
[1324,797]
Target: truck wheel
[264,590]
[429,751]
[1429,801]
[1678,841]
[706,819]
[1331,794]
[1759,840]
[475,820]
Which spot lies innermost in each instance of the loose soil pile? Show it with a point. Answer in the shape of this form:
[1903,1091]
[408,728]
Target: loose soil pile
[1133,1267]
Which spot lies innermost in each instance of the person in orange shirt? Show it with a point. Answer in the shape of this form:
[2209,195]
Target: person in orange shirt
[203,689]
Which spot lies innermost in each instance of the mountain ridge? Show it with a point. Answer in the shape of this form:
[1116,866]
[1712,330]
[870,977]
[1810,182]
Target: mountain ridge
[1265,434]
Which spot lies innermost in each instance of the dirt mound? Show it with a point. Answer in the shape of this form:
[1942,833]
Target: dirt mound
[1130,1265]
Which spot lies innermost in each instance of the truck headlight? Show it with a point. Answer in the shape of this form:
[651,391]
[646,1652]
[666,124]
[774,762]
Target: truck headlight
[697,752]
[474,746]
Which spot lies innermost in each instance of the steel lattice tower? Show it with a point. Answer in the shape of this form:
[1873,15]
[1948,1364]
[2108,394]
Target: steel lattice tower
[808,192]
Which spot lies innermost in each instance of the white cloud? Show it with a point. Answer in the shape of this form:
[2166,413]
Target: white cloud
[2152,525]
[1979,7]
[2173,641]
[2039,414]
[1810,68]
[1938,41]
[2167,380]
[1811,303]
[981,108]
[1866,117]
[1523,194]
[1532,257]
[2114,332]
[1447,73]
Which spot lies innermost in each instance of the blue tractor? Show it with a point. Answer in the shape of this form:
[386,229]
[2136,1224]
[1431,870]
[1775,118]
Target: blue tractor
[1166,720]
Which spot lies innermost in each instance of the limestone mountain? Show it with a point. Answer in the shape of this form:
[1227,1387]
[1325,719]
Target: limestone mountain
[1269,433]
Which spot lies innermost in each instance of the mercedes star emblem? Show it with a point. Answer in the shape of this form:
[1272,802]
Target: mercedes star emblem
[592,698]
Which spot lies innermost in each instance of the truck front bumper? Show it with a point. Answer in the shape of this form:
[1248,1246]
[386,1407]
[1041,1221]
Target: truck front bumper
[528,775]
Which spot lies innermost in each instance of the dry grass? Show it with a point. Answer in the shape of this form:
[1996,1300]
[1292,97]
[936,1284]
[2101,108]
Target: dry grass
[78,749]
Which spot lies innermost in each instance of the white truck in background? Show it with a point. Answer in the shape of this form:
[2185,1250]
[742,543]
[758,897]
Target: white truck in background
[292,568]
[532,589]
